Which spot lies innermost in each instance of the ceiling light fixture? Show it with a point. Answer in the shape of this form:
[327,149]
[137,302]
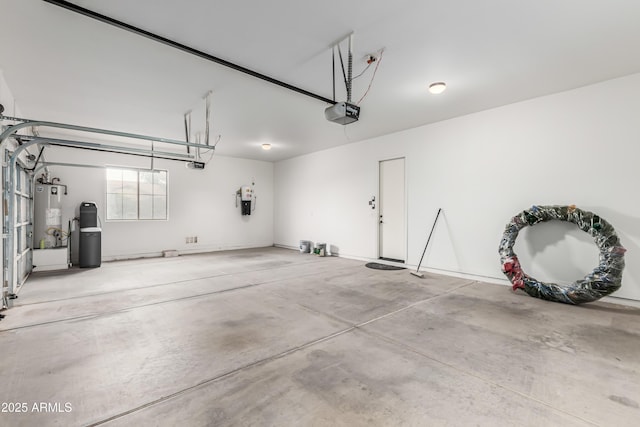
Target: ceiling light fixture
[266,146]
[437,87]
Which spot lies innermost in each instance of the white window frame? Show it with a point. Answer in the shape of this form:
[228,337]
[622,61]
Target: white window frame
[137,171]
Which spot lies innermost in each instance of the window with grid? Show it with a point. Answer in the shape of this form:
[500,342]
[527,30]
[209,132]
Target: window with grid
[134,194]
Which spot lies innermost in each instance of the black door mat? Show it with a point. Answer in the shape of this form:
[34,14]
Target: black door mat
[378,266]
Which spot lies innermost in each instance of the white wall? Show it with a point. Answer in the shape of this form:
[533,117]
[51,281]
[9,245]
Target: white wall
[577,147]
[6,98]
[201,203]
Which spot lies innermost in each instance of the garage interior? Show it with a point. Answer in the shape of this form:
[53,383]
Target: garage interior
[189,209]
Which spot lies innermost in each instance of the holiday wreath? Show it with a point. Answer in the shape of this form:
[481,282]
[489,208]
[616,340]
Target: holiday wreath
[603,280]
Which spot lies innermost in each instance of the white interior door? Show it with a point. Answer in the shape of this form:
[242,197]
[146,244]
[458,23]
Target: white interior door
[392,234]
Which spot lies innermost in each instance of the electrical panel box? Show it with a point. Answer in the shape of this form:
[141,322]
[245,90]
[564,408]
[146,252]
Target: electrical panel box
[246,193]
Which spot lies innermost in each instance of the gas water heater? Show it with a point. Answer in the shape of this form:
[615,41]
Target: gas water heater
[47,216]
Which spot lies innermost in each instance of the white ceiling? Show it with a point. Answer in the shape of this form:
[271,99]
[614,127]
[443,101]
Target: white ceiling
[65,67]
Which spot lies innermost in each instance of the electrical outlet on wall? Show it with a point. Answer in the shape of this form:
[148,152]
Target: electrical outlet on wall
[195,239]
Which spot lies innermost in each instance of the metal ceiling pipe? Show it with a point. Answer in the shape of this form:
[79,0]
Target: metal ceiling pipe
[110,148]
[207,116]
[105,147]
[350,68]
[76,165]
[187,129]
[155,37]
[27,123]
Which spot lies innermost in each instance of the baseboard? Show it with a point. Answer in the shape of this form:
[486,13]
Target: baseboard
[200,250]
[479,278]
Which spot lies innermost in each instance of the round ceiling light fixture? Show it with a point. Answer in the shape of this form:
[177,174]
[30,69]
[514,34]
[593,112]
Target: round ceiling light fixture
[437,87]
[266,147]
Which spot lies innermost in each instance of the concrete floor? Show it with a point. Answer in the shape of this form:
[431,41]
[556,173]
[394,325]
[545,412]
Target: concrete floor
[273,337]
